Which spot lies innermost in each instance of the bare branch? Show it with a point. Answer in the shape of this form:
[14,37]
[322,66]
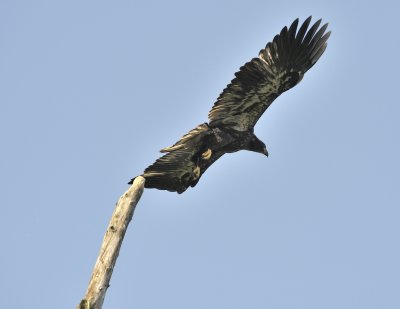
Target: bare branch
[109,250]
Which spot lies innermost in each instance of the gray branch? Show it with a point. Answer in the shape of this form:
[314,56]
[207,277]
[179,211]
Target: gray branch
[109,250]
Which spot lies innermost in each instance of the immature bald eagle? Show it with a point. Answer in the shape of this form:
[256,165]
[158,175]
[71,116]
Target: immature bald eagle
[280,66]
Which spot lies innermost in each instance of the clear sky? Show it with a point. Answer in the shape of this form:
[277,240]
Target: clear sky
[91,90]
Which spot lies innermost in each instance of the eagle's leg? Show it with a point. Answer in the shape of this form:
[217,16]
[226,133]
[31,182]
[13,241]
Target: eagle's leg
[196,173]
[206,155]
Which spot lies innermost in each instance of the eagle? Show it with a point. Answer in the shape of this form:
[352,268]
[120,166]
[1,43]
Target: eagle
[279,66]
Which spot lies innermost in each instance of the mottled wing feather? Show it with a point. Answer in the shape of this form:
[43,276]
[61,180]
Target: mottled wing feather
[279,67]
[177,170]
[238,105]
[172,172]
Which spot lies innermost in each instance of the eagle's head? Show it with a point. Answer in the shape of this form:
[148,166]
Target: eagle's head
[256,145]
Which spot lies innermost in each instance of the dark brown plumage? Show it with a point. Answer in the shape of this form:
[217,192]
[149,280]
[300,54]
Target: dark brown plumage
[280,66]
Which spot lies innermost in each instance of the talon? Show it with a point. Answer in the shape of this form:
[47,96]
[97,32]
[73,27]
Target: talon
[196,172]
[207,154]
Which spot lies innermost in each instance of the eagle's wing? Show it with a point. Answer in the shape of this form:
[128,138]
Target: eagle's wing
[194,136]
[179,168]
[279,67]
[174,171]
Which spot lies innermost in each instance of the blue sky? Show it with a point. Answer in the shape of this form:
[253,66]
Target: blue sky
[91,90]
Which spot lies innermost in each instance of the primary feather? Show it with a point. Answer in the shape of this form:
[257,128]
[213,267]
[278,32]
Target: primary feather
[279,66]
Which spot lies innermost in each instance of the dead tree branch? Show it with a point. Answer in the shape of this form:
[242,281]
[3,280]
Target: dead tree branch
[111,245]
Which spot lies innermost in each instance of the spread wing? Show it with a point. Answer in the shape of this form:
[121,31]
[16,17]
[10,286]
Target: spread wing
[174,171]
[279,67]
[194,136]
[179,168]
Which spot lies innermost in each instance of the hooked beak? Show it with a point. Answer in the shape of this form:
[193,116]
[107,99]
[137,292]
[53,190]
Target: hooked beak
[265,151]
